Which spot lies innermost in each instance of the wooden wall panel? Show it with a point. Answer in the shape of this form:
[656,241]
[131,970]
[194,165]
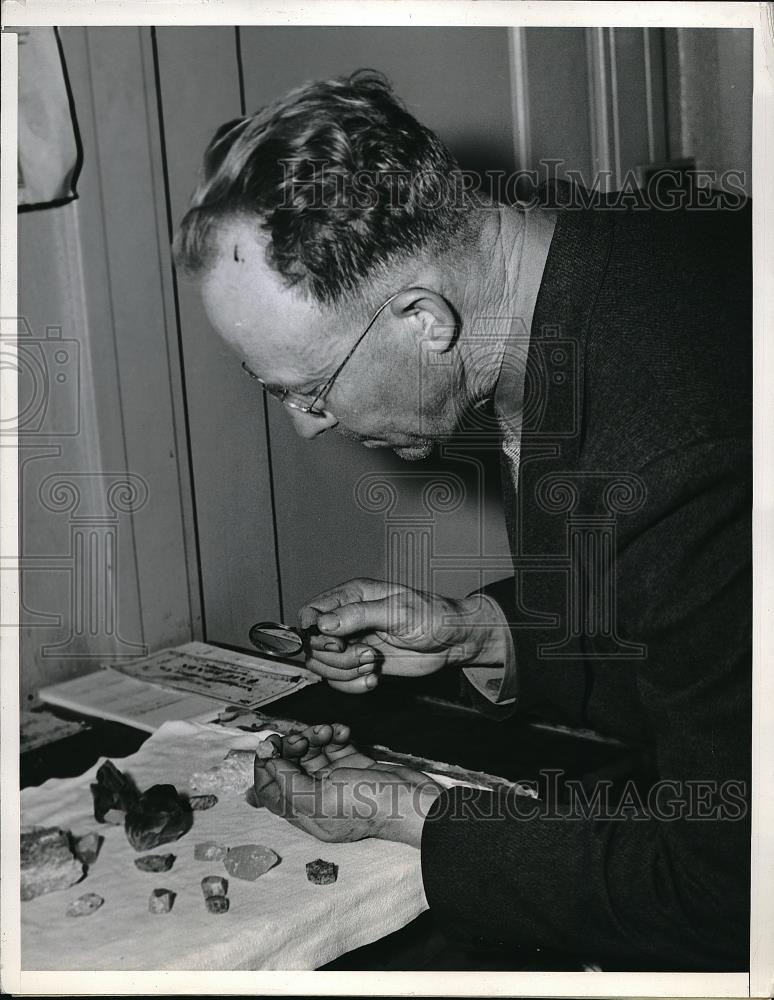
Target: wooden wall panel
[199,90]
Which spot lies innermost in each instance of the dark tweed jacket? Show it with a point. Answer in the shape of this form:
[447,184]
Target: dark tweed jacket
[639,459]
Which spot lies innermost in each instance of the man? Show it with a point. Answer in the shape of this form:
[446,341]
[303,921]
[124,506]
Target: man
[334,253]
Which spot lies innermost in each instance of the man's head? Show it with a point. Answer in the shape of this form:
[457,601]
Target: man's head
[309,215]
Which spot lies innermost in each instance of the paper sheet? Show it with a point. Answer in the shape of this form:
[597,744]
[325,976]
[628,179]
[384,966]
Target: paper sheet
[222,674]
[281,921]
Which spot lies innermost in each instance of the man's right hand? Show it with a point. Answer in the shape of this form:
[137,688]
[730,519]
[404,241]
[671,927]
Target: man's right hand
[367,626]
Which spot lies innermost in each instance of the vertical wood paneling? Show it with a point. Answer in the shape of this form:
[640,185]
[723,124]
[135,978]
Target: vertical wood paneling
[456,81]
[130,191]
[199,91]
[558,101]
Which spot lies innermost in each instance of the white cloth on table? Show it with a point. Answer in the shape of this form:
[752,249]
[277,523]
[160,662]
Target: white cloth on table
[281,921]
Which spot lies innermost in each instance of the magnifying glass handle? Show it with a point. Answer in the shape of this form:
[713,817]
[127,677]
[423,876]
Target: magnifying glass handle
[305,634]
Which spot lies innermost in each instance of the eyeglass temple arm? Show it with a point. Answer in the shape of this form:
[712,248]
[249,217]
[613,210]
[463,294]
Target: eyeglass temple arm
[320,397]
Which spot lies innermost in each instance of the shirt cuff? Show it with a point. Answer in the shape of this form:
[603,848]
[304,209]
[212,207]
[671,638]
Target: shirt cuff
[498,682]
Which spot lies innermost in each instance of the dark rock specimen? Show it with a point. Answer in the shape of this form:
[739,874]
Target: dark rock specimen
[159,816]
[322,872]
[155,862]
[114,794]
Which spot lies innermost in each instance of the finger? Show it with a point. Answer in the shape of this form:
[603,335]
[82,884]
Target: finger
[316,738]
[294,747]
[358,685]
[354,656]
[326,642]
[361,616]
[358,589]
[331,673]
[297,789]
[262,779]
[328,600]
[341,752]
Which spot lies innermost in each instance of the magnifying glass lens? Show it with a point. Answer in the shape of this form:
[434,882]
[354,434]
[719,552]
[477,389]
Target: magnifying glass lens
[275,640]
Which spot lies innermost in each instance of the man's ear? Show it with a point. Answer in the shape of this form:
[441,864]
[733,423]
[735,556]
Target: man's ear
[438,321]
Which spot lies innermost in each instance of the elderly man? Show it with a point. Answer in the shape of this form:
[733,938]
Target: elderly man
[338,247]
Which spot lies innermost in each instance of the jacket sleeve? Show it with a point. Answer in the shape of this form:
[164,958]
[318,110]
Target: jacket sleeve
[662,879]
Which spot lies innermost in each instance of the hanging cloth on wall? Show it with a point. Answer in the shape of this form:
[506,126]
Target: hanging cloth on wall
[49,148]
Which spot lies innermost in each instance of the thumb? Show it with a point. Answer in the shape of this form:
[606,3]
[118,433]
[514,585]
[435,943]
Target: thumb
[295,786]
[361,616]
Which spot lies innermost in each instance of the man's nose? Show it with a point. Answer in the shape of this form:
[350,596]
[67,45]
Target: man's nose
[308,425]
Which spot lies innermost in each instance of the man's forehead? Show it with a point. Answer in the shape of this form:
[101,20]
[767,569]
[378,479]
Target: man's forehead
[240,278]
[266,322]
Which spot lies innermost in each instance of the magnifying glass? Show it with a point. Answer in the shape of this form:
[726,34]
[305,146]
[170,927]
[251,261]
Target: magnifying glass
[277,640]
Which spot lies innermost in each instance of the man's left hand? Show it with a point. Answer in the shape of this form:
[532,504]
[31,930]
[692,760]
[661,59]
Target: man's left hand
[324,786]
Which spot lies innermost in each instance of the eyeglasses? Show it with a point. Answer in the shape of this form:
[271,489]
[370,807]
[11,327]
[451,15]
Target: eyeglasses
[313,403]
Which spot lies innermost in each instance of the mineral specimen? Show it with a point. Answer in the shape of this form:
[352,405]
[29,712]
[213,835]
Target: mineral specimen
[250,861]
[216,904]
[270,748]
[322,872]
[214,885]
[161,901]
[87,847]
[158,816]
[202,802]
[233,774]
[85,905]
[47,862]
[210,851]
[155,862]
[114,794]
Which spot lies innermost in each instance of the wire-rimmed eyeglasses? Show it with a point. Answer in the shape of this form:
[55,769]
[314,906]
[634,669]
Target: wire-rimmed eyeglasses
[313,404]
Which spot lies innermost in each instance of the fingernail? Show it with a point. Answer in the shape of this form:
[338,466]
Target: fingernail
[370,681]
[328,623]
[367,656]
[331,645]
[366,668]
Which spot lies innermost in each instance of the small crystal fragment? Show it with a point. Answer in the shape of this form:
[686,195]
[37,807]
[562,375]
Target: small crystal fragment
[268,749]
[214,885]
[87,847]
[321,872]
[250,861]
[201,802]
[233,774]
[85,905]
[116,817]
[155,862]
[210,851]
[216,904]
[161,901]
